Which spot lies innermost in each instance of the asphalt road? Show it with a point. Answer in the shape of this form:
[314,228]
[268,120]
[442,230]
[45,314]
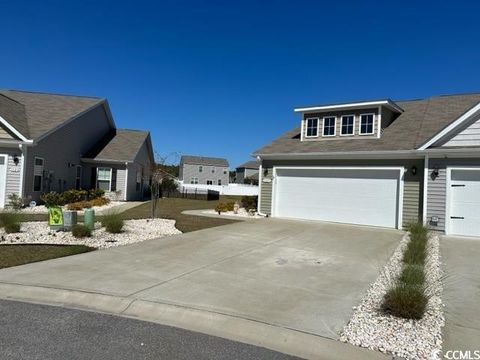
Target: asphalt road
[30,331]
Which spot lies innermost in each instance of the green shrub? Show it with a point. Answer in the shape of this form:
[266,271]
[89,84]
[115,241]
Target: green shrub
[95,193]
[15,202]
[81,231]
[405,301]
[113,222]
[52,198]
[230,205]
[221,207]
[10,221]
[73,195]
[249,202]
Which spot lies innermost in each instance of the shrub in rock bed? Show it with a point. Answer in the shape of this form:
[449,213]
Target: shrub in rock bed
[249,202]
[52,198]
[408,298]
[10,222]
[221,207]
[81,231]
[113,223]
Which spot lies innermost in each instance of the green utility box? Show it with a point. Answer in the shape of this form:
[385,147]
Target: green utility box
[89,218]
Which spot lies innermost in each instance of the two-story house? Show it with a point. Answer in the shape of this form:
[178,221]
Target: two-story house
[381,163]
[52,142]
[247,171]
[203,170]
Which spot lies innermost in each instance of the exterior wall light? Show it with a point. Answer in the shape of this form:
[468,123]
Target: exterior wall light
[16,160]
[414,170]
[435,173]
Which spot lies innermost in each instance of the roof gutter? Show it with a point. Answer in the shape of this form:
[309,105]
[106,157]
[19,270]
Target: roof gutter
[96,161]
[389,154]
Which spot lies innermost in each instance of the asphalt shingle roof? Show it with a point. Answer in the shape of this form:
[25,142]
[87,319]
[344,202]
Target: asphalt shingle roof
[420,121]
[202,160]
[120,145]
[253,164]
[34,114]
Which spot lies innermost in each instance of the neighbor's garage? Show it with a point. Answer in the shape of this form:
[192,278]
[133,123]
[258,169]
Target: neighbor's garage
[366,196]
[463,202]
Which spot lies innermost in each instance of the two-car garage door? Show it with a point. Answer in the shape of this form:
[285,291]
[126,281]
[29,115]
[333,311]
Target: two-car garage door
[366,196]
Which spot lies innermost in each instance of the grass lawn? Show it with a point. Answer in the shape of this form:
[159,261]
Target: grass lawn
[13,255]
[171,208]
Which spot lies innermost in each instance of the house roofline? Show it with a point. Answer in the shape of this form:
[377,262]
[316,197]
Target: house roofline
[387,103]
[96,161]
[388,154]
[14,130]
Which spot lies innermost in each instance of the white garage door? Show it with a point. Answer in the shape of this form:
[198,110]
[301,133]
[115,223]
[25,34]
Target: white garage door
[464,203]
[356,196]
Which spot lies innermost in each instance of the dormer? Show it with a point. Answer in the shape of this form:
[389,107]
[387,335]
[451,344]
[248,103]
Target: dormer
[357,120]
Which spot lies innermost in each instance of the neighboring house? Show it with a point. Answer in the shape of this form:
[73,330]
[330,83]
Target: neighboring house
[247,170]
[203,170]
[51,142]
[380,163]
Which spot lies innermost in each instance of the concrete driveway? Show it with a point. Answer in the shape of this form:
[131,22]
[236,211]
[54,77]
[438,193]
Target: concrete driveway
[287,277]
[461,293]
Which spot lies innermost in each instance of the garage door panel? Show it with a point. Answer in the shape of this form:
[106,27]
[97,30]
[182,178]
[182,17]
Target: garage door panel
[464,202]
[350,196]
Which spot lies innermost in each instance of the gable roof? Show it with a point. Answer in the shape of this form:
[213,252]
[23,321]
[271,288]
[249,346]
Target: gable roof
[121,145]
[253,164]
[202,160]
[34,114]
[420,121]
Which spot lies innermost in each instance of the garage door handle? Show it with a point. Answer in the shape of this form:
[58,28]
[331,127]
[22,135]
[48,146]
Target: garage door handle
[458,185]
[457,217]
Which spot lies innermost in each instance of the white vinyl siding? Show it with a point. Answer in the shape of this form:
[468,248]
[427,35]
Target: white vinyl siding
[467,137]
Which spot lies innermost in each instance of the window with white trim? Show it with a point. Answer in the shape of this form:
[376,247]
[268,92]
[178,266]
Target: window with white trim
[312,127]
[209,182]
[329,125]
[348,124]
[38,167]
[213,170]
[194,180]
[200,168]
[366,124]
[219,182]
[104,178]
[138,184]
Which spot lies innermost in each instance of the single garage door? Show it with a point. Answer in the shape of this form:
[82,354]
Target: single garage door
[464,203]
[356,196]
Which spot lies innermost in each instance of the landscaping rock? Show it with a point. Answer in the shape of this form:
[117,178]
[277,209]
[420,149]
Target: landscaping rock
[38,232]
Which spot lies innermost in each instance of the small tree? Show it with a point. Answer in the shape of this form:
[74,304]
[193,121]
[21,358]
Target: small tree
[168,185]
[158,176]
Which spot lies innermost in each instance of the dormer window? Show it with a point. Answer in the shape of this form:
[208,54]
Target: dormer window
[366,124]
[329,126]
[312,127]
[348,125]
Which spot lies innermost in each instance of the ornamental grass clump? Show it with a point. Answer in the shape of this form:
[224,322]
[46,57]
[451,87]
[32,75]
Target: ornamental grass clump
[408,297]
[81,231]
[10,221]
[113,223]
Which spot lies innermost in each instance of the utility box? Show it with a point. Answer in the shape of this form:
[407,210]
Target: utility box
[89,218]
[69,219]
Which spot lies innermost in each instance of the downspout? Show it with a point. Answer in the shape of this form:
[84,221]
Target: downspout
[23,150]
[425,188]
[260,175]
[126,181]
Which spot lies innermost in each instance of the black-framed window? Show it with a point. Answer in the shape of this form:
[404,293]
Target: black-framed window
[348,124]
[38,168]
[312,127]
[200,168]
[329,126]
[366,124]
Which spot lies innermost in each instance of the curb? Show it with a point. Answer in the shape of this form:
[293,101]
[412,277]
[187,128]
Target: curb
[284,340]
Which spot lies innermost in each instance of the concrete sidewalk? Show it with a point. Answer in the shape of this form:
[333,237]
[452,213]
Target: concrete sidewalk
[285,285]
[461,293]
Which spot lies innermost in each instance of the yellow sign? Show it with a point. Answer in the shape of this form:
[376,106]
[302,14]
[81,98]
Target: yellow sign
[55,216]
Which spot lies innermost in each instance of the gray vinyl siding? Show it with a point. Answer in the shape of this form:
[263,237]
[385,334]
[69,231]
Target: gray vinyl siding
[142,164]
[242,173]
[66,145]
[413,188]
[189,171]
[437,188]
[469,136]
[120,193]
[266,191]
[388,116]
[5,134]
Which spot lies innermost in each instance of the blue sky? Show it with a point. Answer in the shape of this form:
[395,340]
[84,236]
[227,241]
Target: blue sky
[221,78]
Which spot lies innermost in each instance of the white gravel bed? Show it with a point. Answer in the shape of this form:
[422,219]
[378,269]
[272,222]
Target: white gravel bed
[410,339]
[241,213]
[42,209]
[38,232]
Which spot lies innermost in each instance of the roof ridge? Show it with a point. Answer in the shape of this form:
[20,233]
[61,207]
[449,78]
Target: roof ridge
[53,93]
